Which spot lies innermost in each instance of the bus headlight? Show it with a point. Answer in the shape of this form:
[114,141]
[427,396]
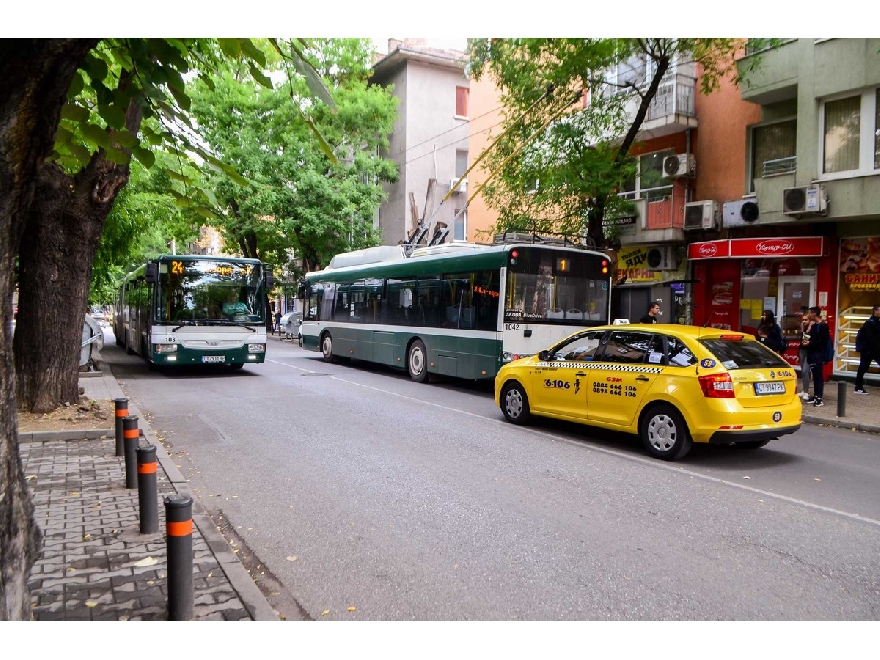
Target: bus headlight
[256,348]
[166,348]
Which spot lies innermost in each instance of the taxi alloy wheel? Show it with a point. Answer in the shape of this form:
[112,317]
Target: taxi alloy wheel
[515,403]
[664,433]
[327,347]
[417,361]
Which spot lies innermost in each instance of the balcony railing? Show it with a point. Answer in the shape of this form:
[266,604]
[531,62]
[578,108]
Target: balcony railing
[780,166]
[674,97]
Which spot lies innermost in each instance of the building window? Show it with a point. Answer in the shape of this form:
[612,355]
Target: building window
[461,101]
[459,225]
[461,162]
[649,181]
[842,130]
[774,149]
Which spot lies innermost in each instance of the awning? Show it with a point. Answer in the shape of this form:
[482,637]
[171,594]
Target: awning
[743,248]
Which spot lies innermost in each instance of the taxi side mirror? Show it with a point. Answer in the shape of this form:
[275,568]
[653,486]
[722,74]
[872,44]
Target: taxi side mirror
[543,356]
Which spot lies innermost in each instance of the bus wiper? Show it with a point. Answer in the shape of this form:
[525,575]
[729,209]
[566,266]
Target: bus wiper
[183,323]
[231,322]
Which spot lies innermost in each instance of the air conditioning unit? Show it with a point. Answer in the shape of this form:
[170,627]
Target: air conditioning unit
[461,188]
[700,215]
[804,201]
[739,213]
[663,257]
[679,165]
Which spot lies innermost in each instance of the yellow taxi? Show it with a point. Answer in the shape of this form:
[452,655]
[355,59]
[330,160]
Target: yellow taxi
[672,385]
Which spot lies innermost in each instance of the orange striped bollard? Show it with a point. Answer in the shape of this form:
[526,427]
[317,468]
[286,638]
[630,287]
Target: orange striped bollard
[121,412]
[178,529]
[147,492]
[130,440]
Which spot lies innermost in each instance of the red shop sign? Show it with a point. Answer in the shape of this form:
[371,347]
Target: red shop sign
[797,246]
[709,250]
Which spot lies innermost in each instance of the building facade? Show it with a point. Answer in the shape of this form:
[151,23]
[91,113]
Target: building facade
[429,140]
[806,229]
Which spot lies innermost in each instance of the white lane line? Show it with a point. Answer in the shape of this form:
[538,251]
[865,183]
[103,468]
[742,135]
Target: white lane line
[648,462]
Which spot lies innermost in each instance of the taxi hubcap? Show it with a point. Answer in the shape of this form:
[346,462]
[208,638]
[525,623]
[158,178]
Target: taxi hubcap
[662,432]
[514,403]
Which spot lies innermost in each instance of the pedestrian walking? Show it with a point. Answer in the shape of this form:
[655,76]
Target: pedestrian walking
[868,347]
[769,333]
[816,342]
[653,313]
[277,326]
[806,324]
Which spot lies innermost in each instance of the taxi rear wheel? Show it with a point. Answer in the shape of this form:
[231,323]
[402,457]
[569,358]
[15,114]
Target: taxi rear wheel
[664,433]
[515,403]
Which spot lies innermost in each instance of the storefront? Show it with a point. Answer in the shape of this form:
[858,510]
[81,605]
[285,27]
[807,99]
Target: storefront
[737,279]
[859,267]
[645,277]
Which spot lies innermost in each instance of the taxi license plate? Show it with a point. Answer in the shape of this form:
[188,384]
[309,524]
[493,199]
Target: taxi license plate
[213,358]
[769,388]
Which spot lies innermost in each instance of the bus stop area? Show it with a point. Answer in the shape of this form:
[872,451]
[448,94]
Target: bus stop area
[96,565]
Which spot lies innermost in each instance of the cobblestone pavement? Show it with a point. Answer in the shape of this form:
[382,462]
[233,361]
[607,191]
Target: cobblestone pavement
[95,563]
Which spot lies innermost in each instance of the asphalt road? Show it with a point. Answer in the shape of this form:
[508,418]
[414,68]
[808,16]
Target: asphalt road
[358,488]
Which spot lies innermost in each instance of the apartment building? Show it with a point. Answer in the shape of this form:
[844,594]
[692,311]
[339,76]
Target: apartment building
[805,229]
[429,140]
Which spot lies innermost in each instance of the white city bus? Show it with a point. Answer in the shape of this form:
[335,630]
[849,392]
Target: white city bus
[194,309]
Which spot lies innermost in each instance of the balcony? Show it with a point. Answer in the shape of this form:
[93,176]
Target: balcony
[672,109]
[659,221]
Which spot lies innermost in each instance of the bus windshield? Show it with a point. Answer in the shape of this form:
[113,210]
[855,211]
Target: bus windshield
[209,290]
[555,287]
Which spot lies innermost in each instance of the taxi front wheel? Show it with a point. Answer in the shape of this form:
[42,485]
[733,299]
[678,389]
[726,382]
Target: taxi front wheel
[664,433]
[515,403]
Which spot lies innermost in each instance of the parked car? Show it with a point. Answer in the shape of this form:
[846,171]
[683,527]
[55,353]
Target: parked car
[291,326]
[672,385]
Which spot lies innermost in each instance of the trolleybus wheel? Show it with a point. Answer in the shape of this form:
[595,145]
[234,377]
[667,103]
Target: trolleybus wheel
[417,361]
[327,347]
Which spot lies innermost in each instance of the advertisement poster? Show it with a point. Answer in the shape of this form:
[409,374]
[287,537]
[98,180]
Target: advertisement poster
[633,262]
[860,264]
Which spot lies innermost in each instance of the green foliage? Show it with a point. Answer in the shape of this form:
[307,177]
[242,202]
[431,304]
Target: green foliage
[293,196]
[577,153]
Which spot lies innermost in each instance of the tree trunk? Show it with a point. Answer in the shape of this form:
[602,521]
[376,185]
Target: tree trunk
[36,75]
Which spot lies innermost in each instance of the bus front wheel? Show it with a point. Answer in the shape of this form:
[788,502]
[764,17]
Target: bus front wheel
[417,361]
[327,347]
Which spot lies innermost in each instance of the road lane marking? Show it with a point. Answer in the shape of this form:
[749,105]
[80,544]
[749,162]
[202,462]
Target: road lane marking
[648,462]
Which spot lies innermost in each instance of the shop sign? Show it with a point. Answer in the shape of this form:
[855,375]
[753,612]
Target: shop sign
[633,262]
[797,246]
[860,263]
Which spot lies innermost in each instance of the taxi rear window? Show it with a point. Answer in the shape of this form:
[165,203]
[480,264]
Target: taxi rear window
[743,354]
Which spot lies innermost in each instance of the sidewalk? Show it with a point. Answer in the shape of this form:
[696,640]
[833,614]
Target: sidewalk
[95,564]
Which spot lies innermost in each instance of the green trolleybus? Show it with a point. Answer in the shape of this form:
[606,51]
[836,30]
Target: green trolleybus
[194,309]
[458,309]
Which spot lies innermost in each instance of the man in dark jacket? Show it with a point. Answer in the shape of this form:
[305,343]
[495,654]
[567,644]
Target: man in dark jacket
[653,313]
[868,346]
[815,344]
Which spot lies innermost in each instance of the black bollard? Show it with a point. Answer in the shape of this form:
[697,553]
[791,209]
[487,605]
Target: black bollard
[121,411]
[178,527]
[147,491]
[841,399]
[130,440]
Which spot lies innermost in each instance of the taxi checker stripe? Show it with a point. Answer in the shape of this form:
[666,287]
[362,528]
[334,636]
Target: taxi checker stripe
[603,365]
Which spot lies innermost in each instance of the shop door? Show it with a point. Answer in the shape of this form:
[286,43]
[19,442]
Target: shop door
[795,293]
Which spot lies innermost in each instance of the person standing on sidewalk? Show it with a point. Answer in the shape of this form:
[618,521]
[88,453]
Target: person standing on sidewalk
[769,333]
[653,313]
[277,326]
[868,347]
[816,342]
[806,324]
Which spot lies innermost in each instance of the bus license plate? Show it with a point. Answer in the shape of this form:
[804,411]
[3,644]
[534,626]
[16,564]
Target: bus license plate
[213,358]
[769,388]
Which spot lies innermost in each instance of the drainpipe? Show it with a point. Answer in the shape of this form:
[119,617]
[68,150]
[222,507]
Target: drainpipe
[687,184]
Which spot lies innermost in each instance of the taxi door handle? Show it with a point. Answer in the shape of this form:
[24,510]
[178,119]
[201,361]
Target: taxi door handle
[642,379]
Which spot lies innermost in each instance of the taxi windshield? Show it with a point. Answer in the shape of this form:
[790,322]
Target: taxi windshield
[743,354]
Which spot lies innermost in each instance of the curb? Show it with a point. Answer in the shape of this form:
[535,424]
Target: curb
[841,423]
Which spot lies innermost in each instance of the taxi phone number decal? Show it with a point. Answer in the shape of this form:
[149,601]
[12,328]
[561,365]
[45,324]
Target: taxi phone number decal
[614,389]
